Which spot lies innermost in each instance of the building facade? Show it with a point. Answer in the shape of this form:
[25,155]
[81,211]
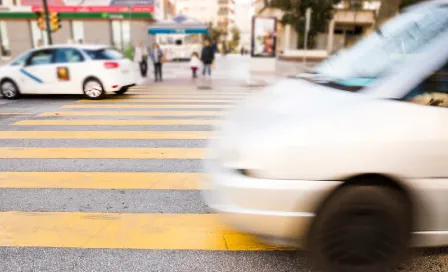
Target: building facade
[202,10]
[351,21]
[226,16]
[119,23]
[243,20]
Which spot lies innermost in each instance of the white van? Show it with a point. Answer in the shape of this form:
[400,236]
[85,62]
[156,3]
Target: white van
[179,46]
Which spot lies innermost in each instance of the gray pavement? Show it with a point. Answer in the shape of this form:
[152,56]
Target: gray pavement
[136,201]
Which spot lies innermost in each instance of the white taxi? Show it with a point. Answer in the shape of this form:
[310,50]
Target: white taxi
[92,70]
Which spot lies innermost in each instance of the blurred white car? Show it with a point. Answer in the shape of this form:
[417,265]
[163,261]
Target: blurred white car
[349,161]
[92,70]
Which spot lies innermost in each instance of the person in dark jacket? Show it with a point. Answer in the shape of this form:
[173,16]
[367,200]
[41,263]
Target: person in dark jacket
[215,47]
[207,58]
[158,59]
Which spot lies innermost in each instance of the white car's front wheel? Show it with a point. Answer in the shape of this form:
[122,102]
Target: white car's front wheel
[361,228]
[9,89]
[93,89]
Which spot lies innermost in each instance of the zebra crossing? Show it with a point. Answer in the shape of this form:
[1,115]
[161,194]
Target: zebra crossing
[180,121]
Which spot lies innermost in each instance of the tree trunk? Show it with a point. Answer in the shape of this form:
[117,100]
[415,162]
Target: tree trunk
[388,9]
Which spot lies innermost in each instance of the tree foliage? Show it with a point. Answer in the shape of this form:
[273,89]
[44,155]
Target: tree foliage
[294,15]
[214,33]
[236,37]
[389,8]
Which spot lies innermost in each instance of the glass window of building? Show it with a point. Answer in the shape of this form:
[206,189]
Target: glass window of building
[39,37]
[121,34]
[78,31]
[4,41]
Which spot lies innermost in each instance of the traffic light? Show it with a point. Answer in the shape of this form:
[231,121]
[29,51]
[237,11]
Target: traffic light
[40,20]
[55,21]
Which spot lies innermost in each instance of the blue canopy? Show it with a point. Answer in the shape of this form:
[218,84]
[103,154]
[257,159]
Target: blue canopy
[178,25]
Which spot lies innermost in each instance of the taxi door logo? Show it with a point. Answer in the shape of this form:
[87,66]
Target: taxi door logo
[63,73]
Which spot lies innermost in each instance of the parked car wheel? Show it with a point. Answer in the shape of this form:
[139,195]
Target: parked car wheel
[361,228]
[93,89]
[9,89]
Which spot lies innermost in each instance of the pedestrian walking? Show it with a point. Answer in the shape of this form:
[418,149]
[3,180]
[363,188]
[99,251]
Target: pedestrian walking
[207,58]
[195,63]
[39,43]
[157,59]
[224,49]
[141,58]
[214,47]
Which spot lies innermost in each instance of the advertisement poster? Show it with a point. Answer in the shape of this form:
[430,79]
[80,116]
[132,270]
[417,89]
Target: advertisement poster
[264,40]
[92,5]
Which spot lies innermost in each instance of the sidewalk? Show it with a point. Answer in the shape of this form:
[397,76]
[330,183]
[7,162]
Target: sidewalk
[230,71]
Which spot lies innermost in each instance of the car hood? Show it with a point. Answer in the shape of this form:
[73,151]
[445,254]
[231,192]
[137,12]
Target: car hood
[299,123]
[290,102]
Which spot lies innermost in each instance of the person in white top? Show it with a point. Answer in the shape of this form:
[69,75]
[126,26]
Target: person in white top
[195,63]
[141,57]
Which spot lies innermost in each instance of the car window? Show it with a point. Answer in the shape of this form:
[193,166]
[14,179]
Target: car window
[433,91]
[21,60]
[68,55]
[400,39]
[103,54]
[41,57]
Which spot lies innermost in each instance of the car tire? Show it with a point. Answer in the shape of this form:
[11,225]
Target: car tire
[361,228]
[122,90]
[93,89]
[9,89]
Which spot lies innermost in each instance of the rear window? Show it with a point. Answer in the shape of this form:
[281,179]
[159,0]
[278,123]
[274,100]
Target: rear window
[103,54]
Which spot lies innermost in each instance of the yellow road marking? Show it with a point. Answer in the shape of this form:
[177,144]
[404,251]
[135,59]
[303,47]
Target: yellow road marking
[134,135]
[180,93]
[16,113]
[155,101]
[126,231]
[114,122]
[87,180]
[133,113]
[170,96]
[123,106]
[100,153]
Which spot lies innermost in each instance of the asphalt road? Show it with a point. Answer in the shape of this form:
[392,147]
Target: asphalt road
[65,207]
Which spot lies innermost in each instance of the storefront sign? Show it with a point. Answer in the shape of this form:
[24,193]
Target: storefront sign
[95,9]
[264,37]
[92,5]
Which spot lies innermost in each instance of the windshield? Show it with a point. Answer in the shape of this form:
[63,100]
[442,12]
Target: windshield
[21,60]
[103,54]
[401,38]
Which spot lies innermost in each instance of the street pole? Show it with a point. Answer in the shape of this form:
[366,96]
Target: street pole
[47,22]
[307,30]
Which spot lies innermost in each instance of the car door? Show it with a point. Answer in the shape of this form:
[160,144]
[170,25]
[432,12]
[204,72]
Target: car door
[70,67]
[37,74]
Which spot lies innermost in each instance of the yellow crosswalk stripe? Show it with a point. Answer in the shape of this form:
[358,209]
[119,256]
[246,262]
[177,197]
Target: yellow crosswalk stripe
[191,93]
[115,122]
[118,135]
[169,96]
[125,231]
[164,87]
[131,106]
[16,113]
[100,180]
[156,101]
[133,113]
[99,153]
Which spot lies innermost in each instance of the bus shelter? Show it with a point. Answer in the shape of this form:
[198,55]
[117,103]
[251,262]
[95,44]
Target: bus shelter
[179,37]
